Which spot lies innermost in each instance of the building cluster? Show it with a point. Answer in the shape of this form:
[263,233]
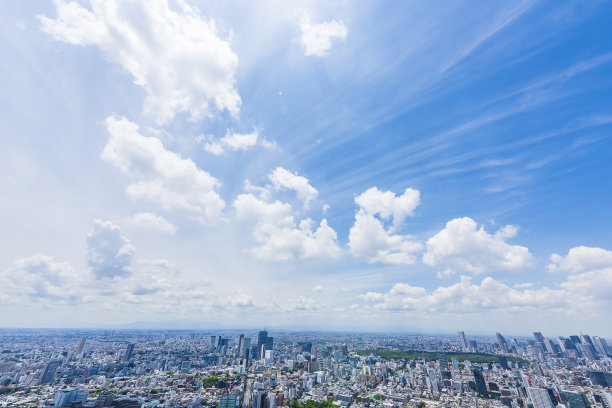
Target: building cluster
[301,370]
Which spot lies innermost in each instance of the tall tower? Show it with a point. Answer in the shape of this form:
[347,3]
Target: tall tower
[49,372]
[129,351]
[463,341]
[81,346]
[240,348]
[481,385]
[502,342]
[262,340]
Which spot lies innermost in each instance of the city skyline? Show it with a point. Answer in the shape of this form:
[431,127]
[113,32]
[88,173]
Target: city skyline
[238,165]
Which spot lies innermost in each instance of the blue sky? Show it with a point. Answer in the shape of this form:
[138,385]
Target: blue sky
[336,165]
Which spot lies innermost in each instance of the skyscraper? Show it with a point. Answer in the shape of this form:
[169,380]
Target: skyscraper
[227,401]
[463,341]
[502,342]
[481,385]
[264,343]
[503,362]
[240,348]
[601,346]
[538,336]
[246,345]
[539,397]
[129,351]
[574,399]
[81,345]
[49,372]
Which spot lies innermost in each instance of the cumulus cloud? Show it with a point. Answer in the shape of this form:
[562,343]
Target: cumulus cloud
[580,259]
[283,179]
[462,246]
[109,252]
[235,141]
[386,204]
[176,56]
[40,278]
[163,176]
[590,274]
[368,236]
[300,304]
[279,236]
[151,221]
[317,38]
[466,297]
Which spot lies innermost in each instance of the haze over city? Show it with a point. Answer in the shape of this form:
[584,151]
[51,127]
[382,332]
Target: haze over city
[359,166]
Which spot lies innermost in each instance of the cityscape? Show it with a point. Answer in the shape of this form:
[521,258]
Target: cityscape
[305,204]
[265,369]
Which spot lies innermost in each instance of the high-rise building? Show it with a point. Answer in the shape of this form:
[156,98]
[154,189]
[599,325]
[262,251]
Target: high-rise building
[227,401]
[246,344]
[213,341]
[606,399]
[68,396]
[264,342]
[602,378]
[49,372]
[551,347]
[443,360]
[574,399]
[129,351]
[81,346]
[240,347]
[585,339]
[539,397]
[538,336]
[463,341]
[503,362]
[481,385]
[502,342]
[587,351]
[601,346]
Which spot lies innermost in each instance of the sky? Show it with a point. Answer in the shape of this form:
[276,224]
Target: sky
[345,165]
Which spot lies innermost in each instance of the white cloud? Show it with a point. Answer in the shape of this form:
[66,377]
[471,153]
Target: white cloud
[284,179]
[176,56]
[317,38]
[386,204]
[466,297]
[319,288]
[590,275]
[279,236]
[149,220]
[591,288]
[301,304]
[239,301]
[109,252]
[235,141]
[580,259]
[462,246]
[40,278]
[368,237]
[164,177]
